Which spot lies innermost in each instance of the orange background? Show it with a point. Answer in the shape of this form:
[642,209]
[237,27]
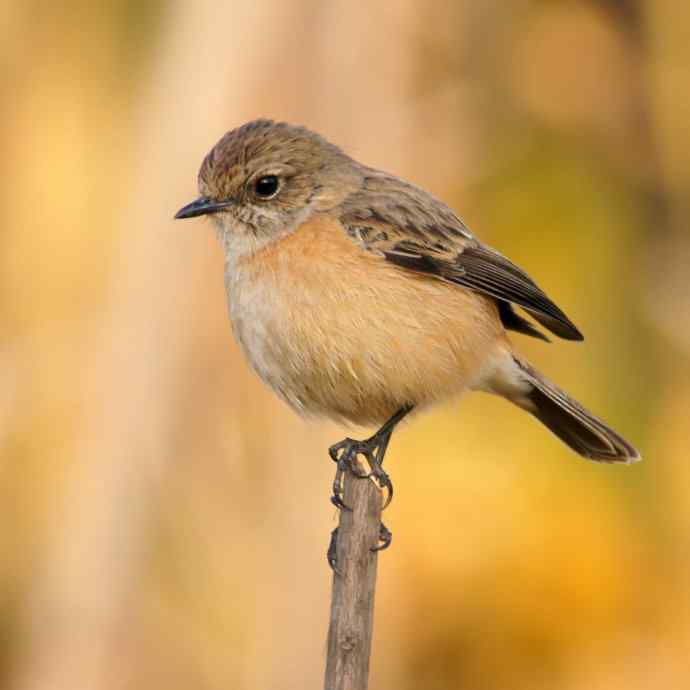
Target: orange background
[164,517]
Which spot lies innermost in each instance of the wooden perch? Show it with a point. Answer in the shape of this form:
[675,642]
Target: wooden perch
[354,586]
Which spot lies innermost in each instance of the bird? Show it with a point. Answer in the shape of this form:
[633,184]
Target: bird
[358,296]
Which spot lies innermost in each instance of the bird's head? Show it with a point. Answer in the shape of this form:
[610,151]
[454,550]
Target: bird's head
[265,178]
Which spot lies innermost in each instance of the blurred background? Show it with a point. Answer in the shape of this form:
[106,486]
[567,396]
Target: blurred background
[164,518]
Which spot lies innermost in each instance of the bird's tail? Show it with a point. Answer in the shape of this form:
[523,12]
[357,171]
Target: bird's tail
[566,418]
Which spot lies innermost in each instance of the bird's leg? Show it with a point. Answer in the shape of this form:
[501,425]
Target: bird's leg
[345,453]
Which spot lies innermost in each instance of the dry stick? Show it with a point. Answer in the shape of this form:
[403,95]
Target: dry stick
[354,586]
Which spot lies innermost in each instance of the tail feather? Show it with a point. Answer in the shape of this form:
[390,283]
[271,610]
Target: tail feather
[575,426]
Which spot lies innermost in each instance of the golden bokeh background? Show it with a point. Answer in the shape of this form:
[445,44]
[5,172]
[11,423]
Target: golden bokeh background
[164,518]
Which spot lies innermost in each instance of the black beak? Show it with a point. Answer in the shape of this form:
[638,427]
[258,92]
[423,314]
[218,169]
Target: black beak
[201,207]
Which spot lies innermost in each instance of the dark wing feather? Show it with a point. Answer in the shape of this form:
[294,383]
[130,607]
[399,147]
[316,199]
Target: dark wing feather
[489,272]
[514,322]
[412,229]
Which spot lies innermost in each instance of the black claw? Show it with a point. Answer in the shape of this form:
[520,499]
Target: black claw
[385,537]
[337,501]
[385,483]
[332,553]
[344,454]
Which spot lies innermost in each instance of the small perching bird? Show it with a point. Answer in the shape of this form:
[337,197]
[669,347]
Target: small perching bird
[358,296]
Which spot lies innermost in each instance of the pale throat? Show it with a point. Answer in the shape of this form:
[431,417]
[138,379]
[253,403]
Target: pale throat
[240,240]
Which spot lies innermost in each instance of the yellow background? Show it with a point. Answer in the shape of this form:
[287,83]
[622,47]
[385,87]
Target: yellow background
[163,519]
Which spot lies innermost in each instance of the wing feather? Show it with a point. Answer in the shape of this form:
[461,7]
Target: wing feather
[413,230]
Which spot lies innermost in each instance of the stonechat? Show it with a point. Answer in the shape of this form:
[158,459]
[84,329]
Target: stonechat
[358,296]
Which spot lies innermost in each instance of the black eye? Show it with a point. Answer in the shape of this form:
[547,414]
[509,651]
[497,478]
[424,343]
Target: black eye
[266,186]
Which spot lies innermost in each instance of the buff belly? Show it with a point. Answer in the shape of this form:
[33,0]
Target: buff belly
[340,332]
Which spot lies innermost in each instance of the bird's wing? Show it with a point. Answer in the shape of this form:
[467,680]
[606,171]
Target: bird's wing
[415,231]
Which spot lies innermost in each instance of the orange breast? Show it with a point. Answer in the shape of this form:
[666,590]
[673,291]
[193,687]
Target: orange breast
[339,331]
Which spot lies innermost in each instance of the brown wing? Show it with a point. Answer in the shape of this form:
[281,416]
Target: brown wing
[412,229]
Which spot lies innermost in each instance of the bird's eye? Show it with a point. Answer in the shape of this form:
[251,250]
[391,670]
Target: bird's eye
[266,186]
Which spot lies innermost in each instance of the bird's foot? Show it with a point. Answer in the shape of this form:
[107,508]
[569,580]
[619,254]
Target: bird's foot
[385,539]
[345,454]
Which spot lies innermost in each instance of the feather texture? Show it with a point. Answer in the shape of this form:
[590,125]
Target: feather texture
[417,232]
[354,293]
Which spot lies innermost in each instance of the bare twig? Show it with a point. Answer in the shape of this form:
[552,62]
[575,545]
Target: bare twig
[354,586]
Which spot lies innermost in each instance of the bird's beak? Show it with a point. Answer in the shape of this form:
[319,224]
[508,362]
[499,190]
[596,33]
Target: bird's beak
[201,207]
